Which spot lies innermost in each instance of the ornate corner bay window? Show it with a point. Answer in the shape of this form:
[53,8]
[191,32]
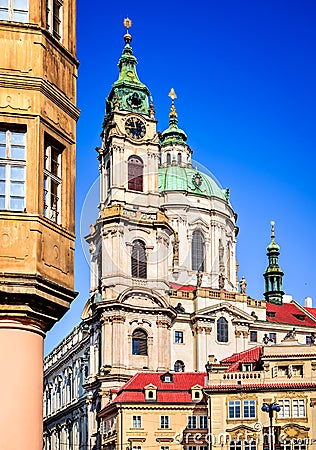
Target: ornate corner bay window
[14,10]
[52,181]
[12,169]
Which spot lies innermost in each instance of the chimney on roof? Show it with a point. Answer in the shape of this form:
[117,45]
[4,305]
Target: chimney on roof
[308,302]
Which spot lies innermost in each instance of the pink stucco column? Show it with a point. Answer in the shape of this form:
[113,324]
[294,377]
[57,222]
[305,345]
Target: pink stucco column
[21,386]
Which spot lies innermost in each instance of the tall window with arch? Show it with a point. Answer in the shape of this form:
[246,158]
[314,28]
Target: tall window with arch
[168,159]
[179,159]
[135,173]
[222,330]
[139,342]
[198,252]
[139,259]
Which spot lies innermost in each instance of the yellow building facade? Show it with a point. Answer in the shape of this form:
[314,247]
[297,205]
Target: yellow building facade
[282,375]
[38,114]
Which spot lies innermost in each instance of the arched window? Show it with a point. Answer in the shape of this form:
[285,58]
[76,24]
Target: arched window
[150,394]
[222,330]
[168,159]
[135,173]
[139,342]
[179,159]
[197,252]
[139,260]
[179,366]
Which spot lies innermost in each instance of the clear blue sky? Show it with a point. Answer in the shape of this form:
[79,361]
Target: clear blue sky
[244,72]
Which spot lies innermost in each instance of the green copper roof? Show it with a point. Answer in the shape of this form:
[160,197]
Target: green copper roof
[177,178]
[128,92]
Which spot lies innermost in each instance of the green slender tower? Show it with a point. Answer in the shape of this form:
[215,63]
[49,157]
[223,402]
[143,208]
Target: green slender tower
[273,275]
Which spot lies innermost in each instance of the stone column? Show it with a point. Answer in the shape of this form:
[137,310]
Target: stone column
[21,386]
[163,348]
[117,339]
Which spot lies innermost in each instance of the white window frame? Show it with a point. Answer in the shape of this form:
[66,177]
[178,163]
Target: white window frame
[192,422]
[203,422]
[137,422]
[164,421]
[51,18]
[292,408]
[233,404]
[52,212]
[178,337]
[285,411]
[247,405]
[9,163]
[11,11]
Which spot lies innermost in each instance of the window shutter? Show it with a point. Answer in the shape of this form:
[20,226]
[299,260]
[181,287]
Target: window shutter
[140,337]
[135,174]
[139,260]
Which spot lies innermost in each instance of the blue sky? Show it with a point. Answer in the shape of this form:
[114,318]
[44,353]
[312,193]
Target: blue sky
[244,72]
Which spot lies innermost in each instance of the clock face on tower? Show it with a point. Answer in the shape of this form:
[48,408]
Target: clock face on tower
[135,128]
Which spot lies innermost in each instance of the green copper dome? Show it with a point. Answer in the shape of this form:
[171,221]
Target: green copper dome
[192,181]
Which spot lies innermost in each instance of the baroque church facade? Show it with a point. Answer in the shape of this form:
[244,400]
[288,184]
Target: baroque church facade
[164,292]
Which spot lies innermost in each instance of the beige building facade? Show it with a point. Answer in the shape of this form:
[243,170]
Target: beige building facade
[164,292]
[38,117]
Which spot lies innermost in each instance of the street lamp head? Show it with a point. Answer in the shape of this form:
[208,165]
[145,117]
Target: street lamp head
[276,407]
[265,407]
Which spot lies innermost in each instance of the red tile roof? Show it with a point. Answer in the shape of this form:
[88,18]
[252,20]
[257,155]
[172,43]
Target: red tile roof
[180,287]
[312,311]
[252,355]
[181,380]
[176,391]
[288,313]
[260,386]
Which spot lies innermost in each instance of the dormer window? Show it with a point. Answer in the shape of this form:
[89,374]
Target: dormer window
[300,316]
[196,393]
[271,314]
[150,392]
[167,378]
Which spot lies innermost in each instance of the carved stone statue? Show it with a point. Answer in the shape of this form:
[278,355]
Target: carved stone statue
[243,285]
[221,281]
[199,276]
[180,308]
[312,339]
[266,339]
[175,249]
[290,335]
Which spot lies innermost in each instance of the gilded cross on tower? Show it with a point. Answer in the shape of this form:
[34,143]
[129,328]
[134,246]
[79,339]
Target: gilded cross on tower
[127,24]
[172,95]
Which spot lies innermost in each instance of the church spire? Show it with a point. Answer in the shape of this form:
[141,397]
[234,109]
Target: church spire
[273,275]
[128,92]
[173,134]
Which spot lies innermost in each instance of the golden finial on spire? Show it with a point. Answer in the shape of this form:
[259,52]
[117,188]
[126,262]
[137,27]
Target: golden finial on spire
[272,228]
[127,24]
[172,95]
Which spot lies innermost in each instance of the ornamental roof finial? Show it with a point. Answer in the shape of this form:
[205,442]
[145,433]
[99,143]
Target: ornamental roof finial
[272,229]
[127,24]
[173,112]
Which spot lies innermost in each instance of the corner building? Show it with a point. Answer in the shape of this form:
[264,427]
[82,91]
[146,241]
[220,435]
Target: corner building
[164,290]
[38,114]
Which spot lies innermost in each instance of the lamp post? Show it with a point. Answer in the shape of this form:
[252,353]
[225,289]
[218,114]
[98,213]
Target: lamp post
[269,408]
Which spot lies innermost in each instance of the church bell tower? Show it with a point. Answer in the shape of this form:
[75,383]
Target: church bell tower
[38,117]
[132,233]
